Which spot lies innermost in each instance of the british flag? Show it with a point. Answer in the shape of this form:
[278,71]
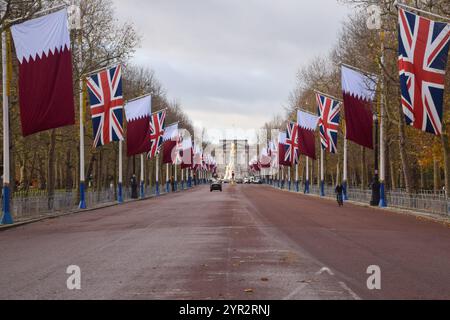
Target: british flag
[157,121]
[292,143]
[106,100]
[329,116]
[423,52]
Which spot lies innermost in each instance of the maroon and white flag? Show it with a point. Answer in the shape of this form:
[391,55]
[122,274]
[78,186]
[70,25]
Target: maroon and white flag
[307,124]
[187,155]
[170,139]
[45,73]
[282,150]
[359,93]
[138,114]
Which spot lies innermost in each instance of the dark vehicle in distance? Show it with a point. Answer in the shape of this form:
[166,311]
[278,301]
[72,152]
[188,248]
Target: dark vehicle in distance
[216,185]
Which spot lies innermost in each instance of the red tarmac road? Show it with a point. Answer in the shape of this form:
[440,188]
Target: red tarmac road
[249,242]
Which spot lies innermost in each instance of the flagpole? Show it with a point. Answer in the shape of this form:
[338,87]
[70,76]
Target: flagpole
[383,202]
[297,184]
[157,174]
[120,193]
[289,177]
[187,178]
[307,176]
[175,178]
[167,178]
[322,175]
[182,179]
[6,215]
[142,187]
[345,177]
[82,151]
[405,6]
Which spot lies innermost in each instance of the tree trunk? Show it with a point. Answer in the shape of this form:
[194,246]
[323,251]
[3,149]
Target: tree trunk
[363,169]
[69,178]
[402,150]
[51,170]
[422,177]
[445,151]
[436,175]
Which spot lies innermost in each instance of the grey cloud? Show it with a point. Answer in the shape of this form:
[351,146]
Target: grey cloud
[241,55]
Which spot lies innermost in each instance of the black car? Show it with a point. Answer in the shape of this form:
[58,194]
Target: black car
[216,186]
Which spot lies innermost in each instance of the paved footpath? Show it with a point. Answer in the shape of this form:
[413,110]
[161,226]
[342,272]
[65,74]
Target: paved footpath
[249,242]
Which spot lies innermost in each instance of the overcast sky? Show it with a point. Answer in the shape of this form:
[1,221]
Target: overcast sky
[231,63]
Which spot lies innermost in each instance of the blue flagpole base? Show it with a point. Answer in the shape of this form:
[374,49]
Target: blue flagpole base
[142,189]
[176,186]
[289,185]
[120,193]
[322,188]
[182,185]
[345,193]
[6,216]
[190,183]
[307,187]
[157,189]
[383,202]
[168,187]
[82,205]
[297,186]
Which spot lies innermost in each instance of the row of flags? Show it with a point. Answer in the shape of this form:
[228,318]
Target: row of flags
[46,97]
[43,49]
[423,53]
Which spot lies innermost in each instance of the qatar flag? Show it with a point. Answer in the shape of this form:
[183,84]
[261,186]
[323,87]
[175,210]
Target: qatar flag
[265,159]
[170,139]
[45,73]
[187,154]
[138,114]
[307,124]
[282,150]
[359,92]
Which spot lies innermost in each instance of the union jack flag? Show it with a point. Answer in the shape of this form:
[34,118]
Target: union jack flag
[423,52]
[156,132]
[106,100]
[329,116]
[292,144]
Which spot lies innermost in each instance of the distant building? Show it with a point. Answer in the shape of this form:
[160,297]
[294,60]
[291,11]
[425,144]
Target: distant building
[223,157]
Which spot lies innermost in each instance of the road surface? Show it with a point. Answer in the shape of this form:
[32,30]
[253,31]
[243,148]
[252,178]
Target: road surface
[249,242]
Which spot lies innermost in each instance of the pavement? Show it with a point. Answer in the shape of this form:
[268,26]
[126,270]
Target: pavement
[248,242]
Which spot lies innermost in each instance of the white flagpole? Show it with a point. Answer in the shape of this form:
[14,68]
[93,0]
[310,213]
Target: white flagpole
[167,178]
[157,174]
[296,178]
[6,216]
[307,176]
[120,192]
[289,177]
[82,152]
[322,175]
[383,202]
[345,177]
[182,179]
[142,177]
[175,177]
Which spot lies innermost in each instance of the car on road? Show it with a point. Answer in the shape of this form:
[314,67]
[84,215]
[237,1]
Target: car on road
[240,181]
[216,185]
[257,181]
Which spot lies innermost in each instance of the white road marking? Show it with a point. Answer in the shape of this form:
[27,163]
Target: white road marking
[323,270]
[346,288]
[295,292]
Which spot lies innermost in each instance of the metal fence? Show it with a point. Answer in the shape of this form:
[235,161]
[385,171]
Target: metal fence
[423,201]
[25,207]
